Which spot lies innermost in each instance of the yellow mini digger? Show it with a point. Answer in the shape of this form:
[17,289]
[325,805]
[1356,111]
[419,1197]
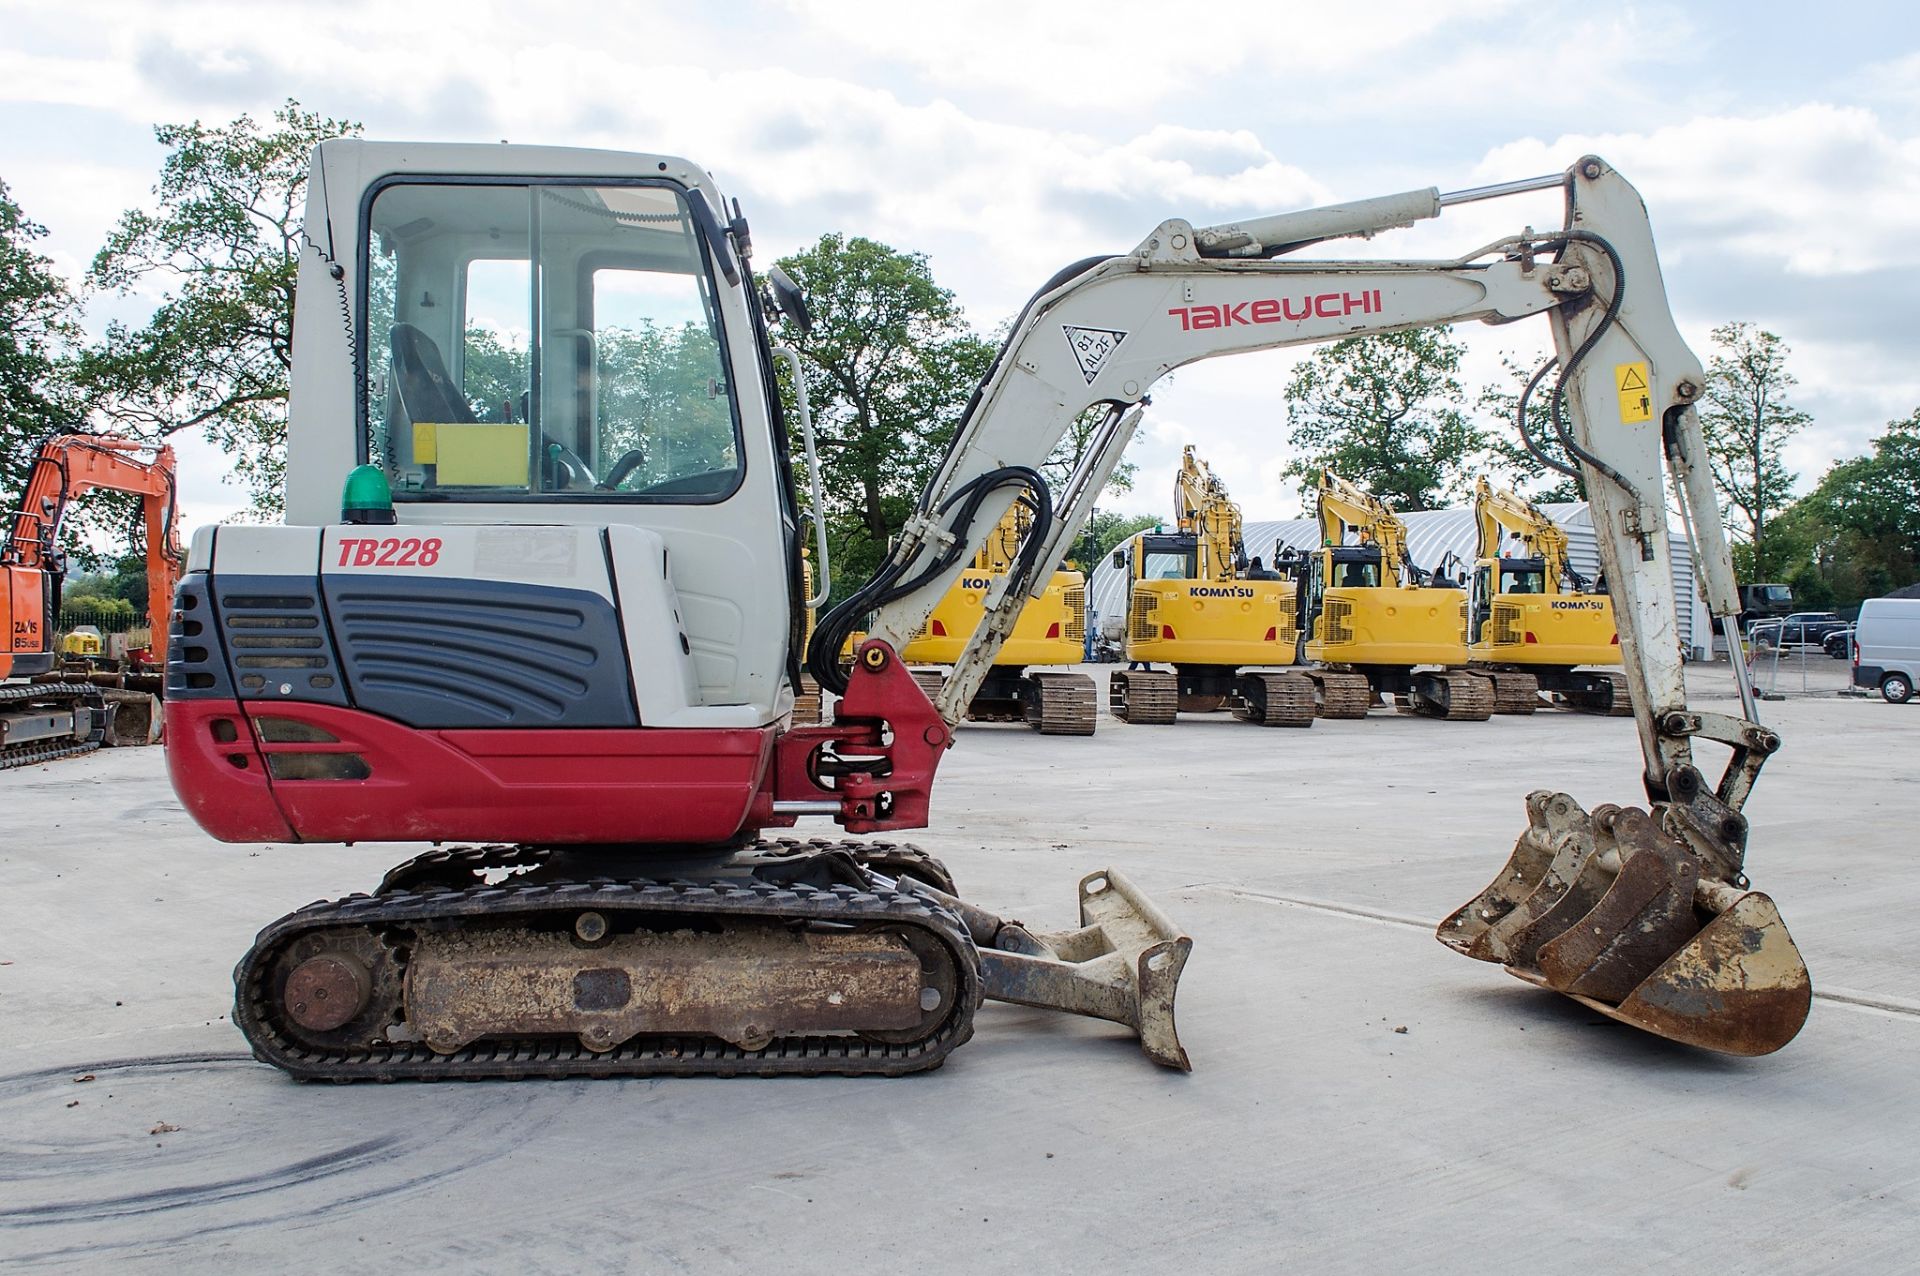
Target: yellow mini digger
[1223,621]
[1533,624]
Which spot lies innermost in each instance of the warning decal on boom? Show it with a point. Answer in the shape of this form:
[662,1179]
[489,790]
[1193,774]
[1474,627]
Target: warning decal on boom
[1636,400]
[1092,346]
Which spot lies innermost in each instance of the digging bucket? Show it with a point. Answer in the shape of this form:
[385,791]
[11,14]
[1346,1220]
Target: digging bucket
[1611,910]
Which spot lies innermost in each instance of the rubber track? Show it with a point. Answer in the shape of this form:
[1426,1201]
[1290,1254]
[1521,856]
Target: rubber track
[1514,692]
[1340,695]
[890,858]
[808,704]
[1469,697]
[641,1056]
[1620,705]
[1149,697]
[48,750]
[1062,704]
[1285,700]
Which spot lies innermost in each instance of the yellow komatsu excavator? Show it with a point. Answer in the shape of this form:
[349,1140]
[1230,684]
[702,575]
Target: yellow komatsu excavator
[1532,620]
[1374,624]
[1051,631]
[1225,624]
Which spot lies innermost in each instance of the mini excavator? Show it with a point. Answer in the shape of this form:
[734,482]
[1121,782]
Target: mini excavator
[1374,624]
[1051,631]
[1224,622]
[558,627]
[46,711]
[1532,619]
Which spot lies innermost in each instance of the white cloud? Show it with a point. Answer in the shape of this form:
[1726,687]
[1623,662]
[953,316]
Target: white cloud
[1005,140]
[1824,190]
[1090,56]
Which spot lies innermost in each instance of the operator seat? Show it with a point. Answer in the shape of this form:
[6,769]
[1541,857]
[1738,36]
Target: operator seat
[427,393]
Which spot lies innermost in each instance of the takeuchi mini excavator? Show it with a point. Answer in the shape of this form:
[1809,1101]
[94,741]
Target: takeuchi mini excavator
[551,618]
[1374,624]
[1224,622]
[1051,631]
[47,711]
[1532,620]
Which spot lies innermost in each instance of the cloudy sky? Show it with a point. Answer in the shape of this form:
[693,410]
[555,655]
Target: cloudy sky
[1777,144]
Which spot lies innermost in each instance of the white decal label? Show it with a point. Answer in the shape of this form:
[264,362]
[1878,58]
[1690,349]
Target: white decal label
[1092,347]
[542,553]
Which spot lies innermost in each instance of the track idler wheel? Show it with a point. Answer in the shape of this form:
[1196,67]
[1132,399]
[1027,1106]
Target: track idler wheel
[1614,911]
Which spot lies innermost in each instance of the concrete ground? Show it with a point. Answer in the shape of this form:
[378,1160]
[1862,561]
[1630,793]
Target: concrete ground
[1505,1130]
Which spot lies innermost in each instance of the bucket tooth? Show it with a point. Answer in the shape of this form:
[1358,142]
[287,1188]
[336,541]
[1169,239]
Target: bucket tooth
[1616,913]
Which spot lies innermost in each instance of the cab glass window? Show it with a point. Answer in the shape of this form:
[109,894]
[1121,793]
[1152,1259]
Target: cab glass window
[545,342]
[1167,565]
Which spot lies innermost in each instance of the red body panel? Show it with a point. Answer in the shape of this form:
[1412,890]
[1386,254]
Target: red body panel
[217,772]
[649,785]
[555,786]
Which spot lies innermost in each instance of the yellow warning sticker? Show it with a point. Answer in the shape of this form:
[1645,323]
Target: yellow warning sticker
[1636,399]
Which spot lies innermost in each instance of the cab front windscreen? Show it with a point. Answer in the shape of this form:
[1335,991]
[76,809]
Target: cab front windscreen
[541,341]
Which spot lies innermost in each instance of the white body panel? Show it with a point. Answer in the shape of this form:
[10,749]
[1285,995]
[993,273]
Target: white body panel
[727,560]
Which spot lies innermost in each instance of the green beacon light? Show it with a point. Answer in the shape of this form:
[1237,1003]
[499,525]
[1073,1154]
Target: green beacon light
[366,497]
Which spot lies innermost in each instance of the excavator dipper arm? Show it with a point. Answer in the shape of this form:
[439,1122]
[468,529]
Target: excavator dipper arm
[1640,913]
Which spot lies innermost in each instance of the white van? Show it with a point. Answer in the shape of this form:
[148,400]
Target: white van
[1886,651]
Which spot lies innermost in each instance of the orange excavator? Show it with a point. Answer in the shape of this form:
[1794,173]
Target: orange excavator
[46,710]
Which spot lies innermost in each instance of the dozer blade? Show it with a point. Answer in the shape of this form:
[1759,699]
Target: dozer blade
[1612,911]
[1123,964]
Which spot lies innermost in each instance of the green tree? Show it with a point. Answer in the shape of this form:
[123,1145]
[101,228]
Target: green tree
[1857,534]
[36,323]
[1748,420]
[890,363]
[1073,448]
[1105,532]
[1387,412]
[221,247]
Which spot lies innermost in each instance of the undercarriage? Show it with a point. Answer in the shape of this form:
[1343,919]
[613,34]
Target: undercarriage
[1156,697]
[783,958]
[1051,702]
[1518,690]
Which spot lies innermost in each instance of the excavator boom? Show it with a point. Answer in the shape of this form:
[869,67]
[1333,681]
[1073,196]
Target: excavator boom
[1623,406]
